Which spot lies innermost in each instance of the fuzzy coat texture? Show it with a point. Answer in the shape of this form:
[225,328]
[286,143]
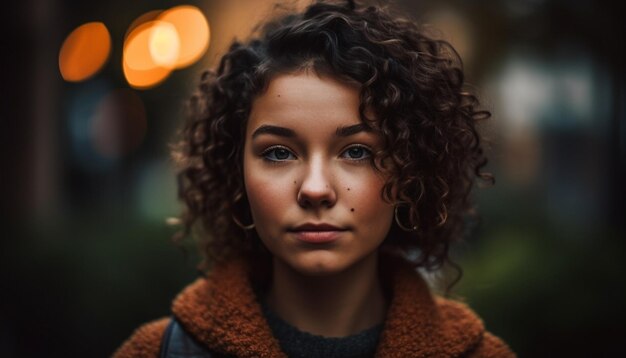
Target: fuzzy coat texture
[223,313]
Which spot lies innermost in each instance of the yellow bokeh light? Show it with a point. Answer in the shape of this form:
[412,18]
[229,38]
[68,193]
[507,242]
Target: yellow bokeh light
[164,44]
[193,31]
[140,68]
[84,52]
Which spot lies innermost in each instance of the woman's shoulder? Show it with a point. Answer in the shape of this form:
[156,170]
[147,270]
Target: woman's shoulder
[458,316]
[492,347]
[145,340]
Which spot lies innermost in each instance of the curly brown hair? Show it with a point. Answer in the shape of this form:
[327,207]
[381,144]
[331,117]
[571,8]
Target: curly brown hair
[411,91]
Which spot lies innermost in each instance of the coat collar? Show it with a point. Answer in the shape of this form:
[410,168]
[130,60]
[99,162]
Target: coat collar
[221,312]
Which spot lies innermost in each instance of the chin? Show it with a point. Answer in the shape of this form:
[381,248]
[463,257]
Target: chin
[319,263]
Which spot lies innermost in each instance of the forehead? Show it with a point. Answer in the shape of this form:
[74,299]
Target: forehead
[304,99]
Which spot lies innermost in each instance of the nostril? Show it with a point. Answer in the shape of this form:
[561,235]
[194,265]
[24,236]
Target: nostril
[315,199]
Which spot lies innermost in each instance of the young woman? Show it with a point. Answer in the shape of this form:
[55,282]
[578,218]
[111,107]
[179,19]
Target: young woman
[325,160]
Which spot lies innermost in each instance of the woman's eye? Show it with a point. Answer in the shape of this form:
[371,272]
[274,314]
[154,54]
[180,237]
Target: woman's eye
[278,154]
[357,153]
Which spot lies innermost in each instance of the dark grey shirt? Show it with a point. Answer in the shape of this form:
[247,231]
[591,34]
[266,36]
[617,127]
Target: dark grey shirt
[299,344]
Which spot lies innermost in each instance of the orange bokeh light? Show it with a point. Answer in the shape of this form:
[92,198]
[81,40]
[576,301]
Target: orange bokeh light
[144,79]
[193,31]
[139,66]
[160,42]
[84,52]
[148,16]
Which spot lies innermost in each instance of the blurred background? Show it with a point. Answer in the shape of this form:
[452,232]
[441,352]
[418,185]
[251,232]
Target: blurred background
[92,92]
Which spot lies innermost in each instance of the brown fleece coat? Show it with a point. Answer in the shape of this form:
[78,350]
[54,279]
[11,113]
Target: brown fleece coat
[222,313]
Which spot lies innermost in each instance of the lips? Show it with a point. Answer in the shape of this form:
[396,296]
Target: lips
[317,227]
[317,233]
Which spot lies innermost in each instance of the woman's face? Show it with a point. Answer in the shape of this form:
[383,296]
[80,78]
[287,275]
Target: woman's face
[314,194]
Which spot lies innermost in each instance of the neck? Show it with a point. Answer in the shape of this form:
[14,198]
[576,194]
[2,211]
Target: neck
[338,305]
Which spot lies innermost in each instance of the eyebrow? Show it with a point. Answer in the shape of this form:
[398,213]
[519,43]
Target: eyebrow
[290,133]
[351,130]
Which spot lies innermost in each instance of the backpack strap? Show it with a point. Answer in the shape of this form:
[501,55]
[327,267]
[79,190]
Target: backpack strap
[177,343]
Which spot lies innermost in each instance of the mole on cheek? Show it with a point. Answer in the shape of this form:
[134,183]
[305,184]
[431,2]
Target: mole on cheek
[348,189]
[351,209]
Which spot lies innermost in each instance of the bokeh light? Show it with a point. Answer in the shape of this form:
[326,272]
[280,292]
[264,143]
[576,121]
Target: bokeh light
[158,176]
[82,108]
[193,31]
[140,69]
[164,44]
[84,52]
[146,17]
[158,42]
[119,123]
[104,124]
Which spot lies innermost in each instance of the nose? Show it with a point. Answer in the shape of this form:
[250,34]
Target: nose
[317,189]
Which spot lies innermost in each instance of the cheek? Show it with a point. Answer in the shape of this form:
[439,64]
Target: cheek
[365,198]
[268,196]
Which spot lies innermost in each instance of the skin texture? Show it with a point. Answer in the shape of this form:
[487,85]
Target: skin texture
[316,176]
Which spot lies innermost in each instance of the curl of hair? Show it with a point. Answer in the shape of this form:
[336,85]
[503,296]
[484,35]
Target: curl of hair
[411,91]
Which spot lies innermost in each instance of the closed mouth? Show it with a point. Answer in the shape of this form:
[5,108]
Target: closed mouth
[318,237]
[313,227]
